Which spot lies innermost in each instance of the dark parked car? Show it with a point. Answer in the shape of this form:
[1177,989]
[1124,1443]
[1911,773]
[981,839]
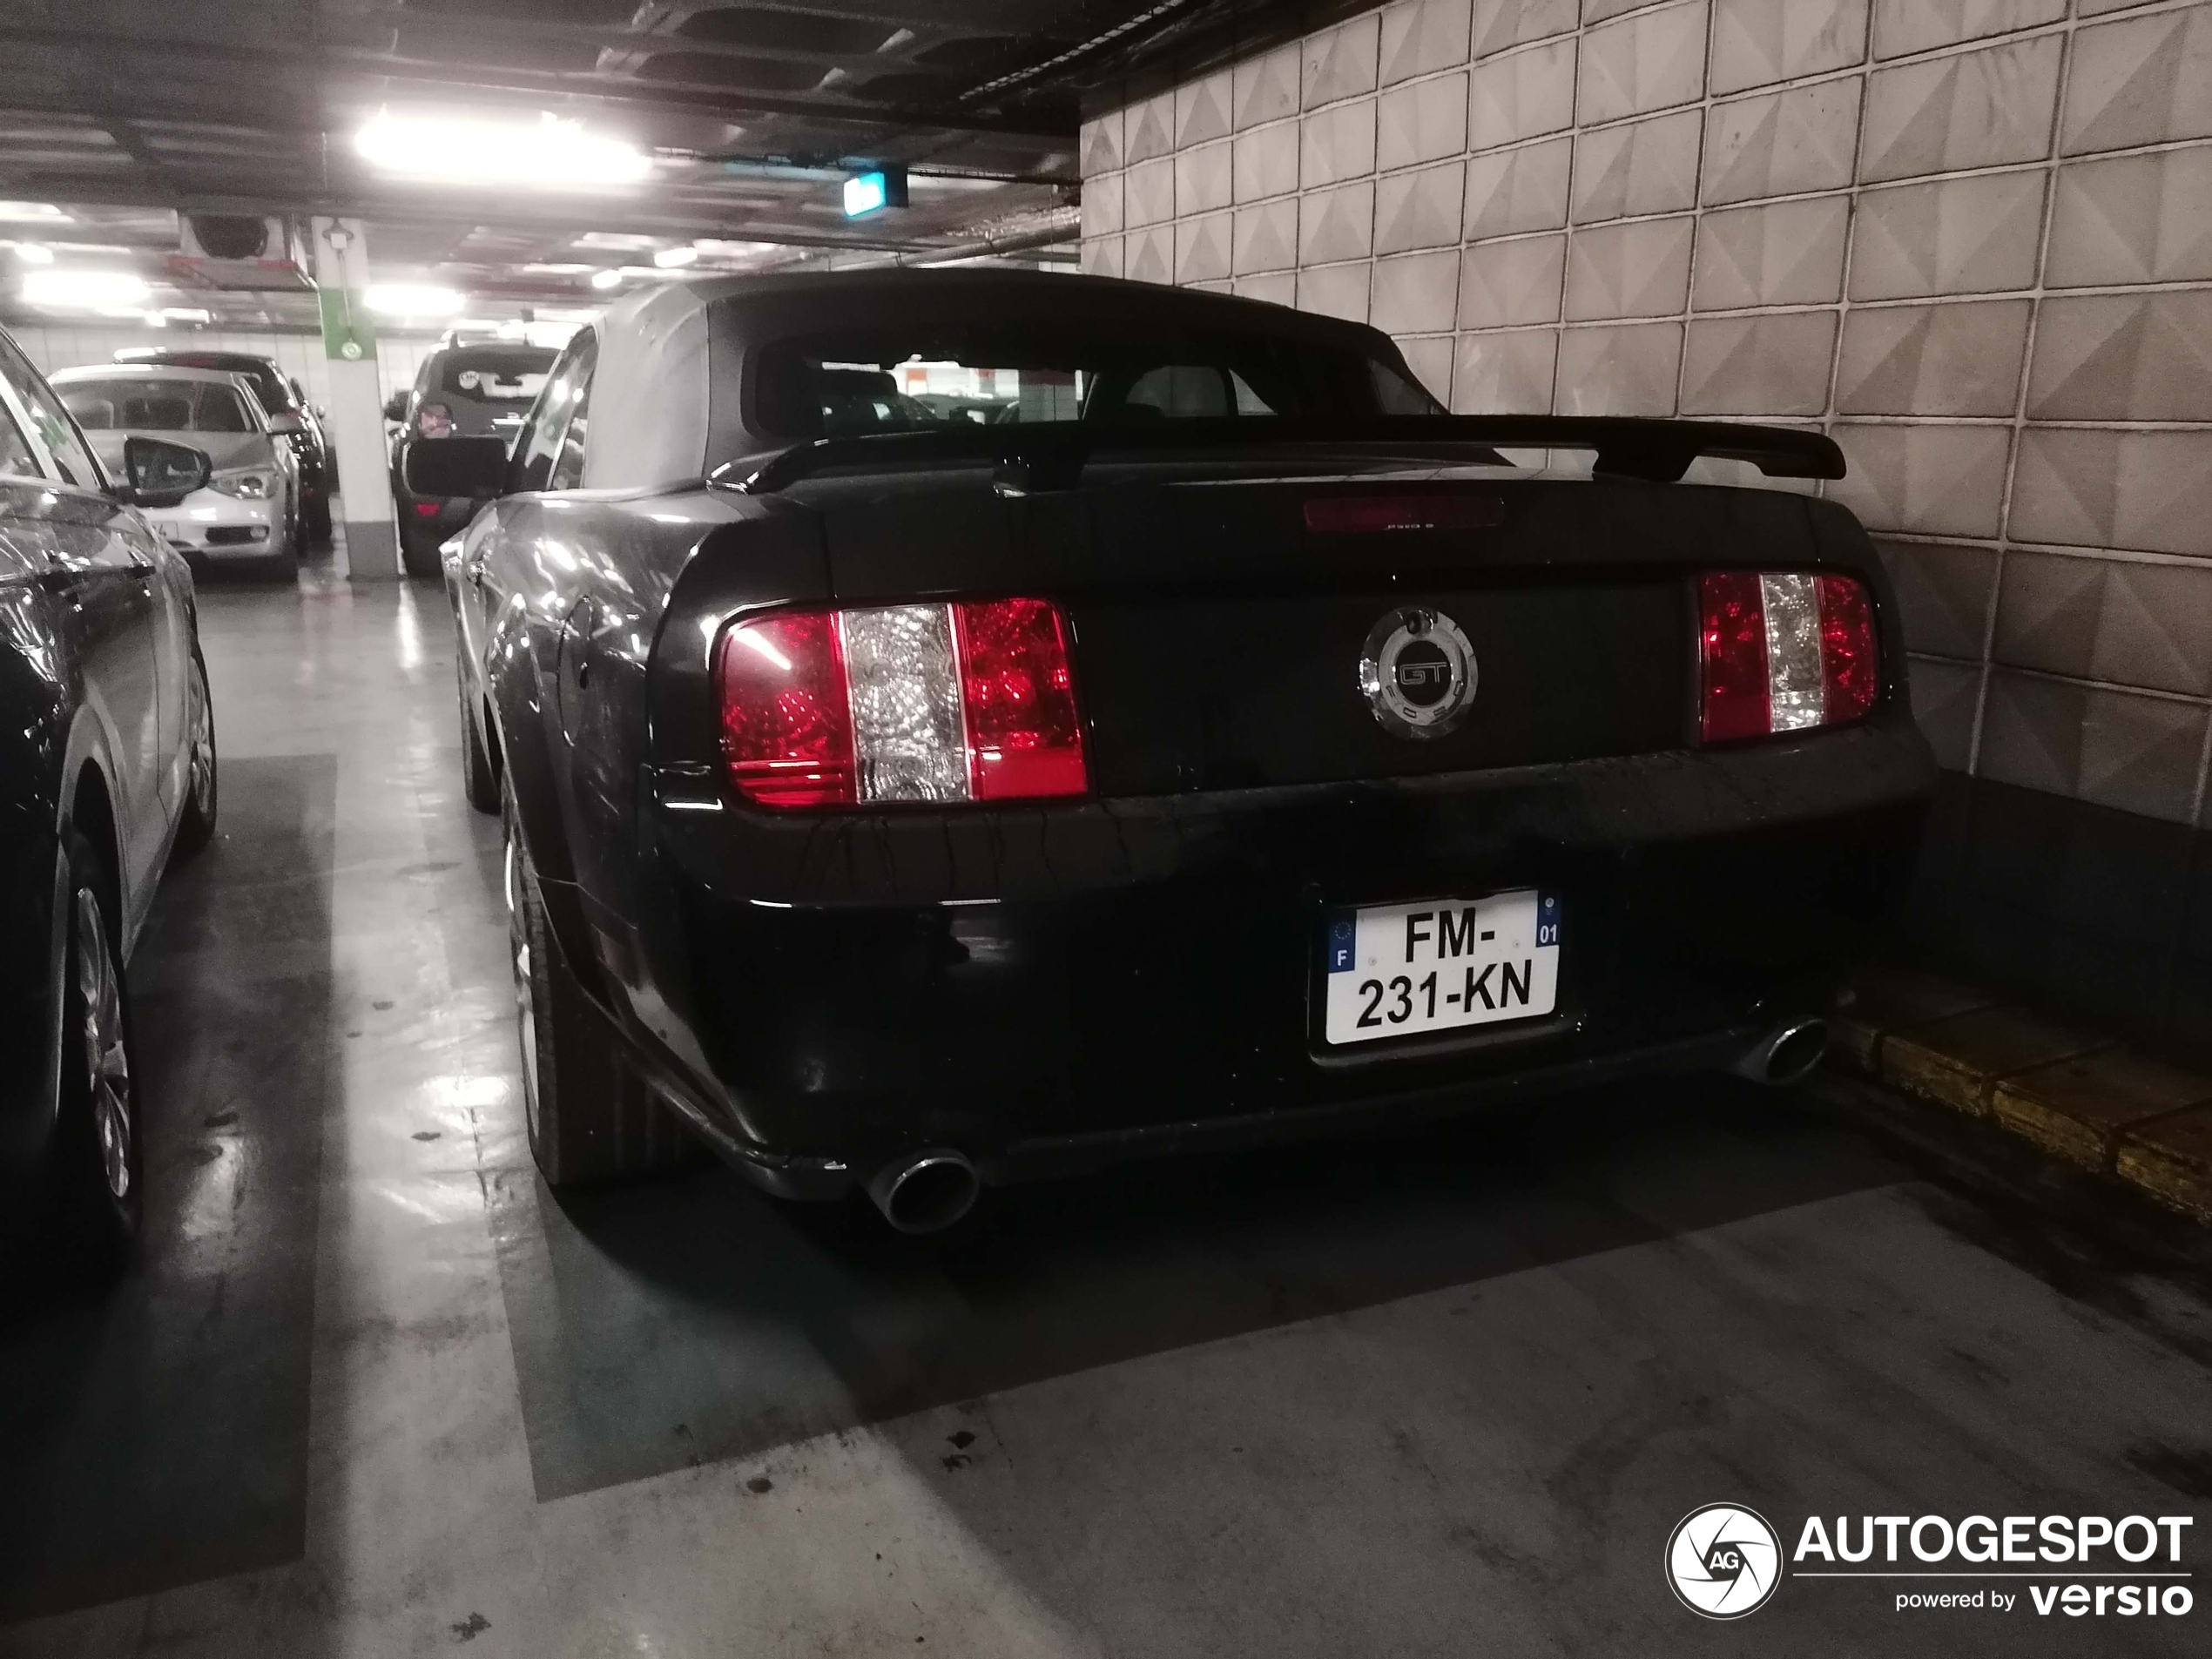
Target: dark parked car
[107,766]
[473,390]
[289,413]
[1224,745]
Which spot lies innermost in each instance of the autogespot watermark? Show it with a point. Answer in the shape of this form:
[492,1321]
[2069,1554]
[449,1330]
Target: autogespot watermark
[1724,1560]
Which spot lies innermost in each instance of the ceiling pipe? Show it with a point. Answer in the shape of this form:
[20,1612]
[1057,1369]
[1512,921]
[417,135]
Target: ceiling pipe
[1034,231]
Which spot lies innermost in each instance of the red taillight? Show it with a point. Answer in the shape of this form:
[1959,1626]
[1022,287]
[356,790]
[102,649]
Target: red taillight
[1023,737]
[434,421]
[1850,677]
[1782,652]
[1731,640]
[426,510]
[930,703]
[786,731]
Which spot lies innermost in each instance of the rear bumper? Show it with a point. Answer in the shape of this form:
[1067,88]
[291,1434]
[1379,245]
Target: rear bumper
[1048,989]
[421,529]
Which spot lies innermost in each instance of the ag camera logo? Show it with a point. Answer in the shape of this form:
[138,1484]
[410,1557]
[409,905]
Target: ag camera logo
[1724,1560]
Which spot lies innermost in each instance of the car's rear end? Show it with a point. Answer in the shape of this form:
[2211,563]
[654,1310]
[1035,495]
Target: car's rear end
[465,391]
[1142,863]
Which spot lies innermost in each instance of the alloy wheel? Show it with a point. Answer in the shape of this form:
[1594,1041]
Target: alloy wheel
[107,1061]
[203,745]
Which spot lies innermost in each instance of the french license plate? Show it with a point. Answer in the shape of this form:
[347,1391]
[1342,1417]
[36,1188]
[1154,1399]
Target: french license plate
[1398,970]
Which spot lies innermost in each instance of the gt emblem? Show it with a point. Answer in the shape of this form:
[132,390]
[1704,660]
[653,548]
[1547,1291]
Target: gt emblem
[1417,672]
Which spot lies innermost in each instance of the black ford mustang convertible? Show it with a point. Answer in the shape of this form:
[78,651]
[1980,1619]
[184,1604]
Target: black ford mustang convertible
[959,727]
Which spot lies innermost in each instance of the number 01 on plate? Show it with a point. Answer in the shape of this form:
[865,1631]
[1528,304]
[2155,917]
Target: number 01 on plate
[1399,970]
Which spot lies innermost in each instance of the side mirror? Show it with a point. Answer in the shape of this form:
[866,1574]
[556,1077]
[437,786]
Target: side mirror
[396,407]
[475,467]
[160,474]
[284,424]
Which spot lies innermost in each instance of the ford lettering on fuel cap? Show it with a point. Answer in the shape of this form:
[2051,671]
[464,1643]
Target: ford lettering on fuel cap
[1417,672]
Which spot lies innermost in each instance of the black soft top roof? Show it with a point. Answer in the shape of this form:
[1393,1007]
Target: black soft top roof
[668,395]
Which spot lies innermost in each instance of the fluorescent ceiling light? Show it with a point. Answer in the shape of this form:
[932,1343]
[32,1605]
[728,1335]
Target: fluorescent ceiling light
[34,254]
[549,152]
[84,290]
[669,258]
[412,299]
[186,314]
[606,278]
[25,213]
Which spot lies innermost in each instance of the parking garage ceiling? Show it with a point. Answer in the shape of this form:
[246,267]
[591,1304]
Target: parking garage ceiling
[126,117]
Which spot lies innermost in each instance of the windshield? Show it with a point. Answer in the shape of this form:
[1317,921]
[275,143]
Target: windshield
[155,406]
[510,375]
[270,390]
[844,385]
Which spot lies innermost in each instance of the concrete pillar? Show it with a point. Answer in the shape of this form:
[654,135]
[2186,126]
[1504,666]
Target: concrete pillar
[357,405]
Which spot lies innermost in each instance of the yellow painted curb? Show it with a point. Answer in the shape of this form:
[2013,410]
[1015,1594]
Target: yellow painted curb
[1959,1061]
[2077,1095]
[2171,1159]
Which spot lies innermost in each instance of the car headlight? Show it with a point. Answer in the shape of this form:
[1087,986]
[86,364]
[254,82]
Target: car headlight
[246,484]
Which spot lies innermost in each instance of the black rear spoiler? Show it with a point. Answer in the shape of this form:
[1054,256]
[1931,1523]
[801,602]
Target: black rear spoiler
[1052,455]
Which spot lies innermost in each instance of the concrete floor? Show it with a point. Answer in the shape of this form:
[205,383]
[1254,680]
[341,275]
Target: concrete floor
[375,1393]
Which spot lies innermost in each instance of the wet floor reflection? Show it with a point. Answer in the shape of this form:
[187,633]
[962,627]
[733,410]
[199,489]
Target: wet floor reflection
[159,1435]
[685,1320]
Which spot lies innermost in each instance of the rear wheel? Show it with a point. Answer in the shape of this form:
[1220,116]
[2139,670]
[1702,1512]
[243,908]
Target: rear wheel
[590,1119]
[197,827]
[319,518]
[97,1175]
[477,777]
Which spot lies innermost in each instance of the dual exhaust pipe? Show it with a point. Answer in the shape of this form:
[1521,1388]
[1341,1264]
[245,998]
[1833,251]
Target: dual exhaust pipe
[1786,1053]
[927,1191]
[930,1190]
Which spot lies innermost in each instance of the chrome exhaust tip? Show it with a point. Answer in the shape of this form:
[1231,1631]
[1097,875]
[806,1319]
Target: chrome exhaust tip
[925,1193]
[1785,1055]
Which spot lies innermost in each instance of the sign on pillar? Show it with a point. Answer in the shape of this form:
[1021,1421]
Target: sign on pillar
[371,545]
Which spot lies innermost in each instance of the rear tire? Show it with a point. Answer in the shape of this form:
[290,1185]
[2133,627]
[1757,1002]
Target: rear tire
[590,1118]
[97,1176]
[319,519]
[197,827]
[478,780]
[419,560]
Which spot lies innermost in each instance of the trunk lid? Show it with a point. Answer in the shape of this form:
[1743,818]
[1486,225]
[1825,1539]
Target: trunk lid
[1219,636]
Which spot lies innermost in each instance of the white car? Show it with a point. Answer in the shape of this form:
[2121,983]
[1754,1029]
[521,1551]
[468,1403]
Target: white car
[249,511]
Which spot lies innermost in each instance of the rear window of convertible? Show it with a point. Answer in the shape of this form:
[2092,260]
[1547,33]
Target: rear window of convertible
[850,383]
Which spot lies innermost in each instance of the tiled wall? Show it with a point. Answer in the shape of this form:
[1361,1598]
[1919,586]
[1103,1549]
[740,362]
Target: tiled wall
[1970,238]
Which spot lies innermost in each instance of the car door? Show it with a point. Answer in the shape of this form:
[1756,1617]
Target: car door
[112,572]
[543,459]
